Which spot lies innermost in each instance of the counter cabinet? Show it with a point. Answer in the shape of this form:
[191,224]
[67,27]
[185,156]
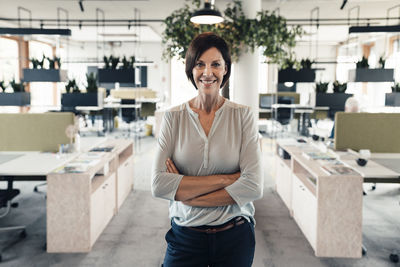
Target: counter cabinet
[327,208]
[80,205]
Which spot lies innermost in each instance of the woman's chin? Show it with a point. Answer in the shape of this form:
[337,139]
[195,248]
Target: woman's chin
[209,90]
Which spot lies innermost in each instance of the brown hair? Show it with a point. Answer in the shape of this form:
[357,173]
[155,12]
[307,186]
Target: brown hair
[199,45]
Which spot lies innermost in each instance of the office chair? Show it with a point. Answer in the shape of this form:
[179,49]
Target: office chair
[284,115]
[129,115]
[6,195]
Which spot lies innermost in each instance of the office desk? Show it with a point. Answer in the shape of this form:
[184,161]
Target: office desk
[32,166]
[107,114]
[79,205]
[304,112]
[380,168]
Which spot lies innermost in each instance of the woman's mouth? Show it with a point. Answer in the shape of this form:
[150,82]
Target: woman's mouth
[208,82]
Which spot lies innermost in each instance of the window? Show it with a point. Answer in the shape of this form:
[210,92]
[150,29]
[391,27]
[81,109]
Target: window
[396,46]
[8,60]
[42,94]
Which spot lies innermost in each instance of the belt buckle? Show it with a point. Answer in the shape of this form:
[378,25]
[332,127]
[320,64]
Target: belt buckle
[211,230]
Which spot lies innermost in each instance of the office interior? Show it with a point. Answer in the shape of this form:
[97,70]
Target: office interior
[79,131]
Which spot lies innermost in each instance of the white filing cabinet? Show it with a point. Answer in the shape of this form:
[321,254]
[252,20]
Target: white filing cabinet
[284,180]
[304,206]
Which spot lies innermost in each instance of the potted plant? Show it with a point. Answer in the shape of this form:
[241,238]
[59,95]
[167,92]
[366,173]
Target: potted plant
[3,86]
[339,87]
[382,62]
[39,74]
[393,98]
[335,102]
[306,63]
[91,97]
[291,71]
[266,30]
[18,98]
[363,73]
[321,87]
[111,74]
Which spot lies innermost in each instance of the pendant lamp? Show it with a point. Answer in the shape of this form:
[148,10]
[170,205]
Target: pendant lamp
[207,15]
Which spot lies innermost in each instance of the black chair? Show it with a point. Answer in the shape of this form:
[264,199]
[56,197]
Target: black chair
[130,114]
[284,115]
[6,196]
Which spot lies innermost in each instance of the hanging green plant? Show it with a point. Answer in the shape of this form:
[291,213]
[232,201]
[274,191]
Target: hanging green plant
[267,30]
[290,63]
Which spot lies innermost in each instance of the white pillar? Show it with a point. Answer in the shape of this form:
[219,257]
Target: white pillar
[245,77]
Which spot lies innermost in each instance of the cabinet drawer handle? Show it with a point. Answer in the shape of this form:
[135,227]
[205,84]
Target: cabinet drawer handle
[126,163]
[104,186]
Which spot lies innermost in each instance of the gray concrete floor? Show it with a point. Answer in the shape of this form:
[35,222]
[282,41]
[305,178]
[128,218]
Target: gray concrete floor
[135,236]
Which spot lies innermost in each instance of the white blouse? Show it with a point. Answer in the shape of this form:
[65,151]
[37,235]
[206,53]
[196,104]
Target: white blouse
[231,146]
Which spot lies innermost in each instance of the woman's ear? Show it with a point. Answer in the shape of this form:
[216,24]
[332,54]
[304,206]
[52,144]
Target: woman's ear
[226,69]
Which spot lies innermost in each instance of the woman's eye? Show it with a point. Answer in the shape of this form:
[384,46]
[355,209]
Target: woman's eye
[216,64]
[199,65]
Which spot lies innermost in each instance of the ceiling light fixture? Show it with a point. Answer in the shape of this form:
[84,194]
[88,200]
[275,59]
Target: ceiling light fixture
[29,31]
[364,29]
[343,4]
[81,5]
[207,15]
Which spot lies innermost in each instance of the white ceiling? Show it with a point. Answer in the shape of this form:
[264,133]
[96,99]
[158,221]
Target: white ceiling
[159,9]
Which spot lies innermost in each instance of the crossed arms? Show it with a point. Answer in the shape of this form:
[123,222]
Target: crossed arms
[208,191]
[212,190]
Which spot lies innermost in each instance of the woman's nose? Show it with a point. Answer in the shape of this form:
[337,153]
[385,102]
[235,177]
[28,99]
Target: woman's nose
[207,70]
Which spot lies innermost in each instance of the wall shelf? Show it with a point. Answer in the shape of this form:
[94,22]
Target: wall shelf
[296,76]
[116,76]
[15,99]
[44,75]
[371,75]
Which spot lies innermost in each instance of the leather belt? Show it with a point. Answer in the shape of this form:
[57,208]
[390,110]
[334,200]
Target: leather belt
[235,222]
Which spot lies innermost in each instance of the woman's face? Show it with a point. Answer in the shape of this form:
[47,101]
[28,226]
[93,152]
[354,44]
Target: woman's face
[209,71]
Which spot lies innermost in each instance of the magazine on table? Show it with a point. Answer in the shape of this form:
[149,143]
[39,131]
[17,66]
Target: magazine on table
[339,169]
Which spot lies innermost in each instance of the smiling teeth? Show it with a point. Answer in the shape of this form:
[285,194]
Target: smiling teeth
[208,82]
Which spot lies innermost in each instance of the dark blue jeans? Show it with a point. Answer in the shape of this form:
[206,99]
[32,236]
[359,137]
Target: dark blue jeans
[189,248]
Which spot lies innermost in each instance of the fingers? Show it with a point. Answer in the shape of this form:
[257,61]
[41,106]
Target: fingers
[171,168]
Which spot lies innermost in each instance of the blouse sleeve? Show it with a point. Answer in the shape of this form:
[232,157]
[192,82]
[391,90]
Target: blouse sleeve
[249,186]
[164,184]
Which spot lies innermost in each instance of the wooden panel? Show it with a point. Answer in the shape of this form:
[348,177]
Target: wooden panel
[124,180]
[284,181]
[102,207]
[305,210]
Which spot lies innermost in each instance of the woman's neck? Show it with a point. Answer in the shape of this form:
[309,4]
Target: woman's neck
[207,103]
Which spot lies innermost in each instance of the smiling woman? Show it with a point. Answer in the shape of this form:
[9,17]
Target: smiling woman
[208,165]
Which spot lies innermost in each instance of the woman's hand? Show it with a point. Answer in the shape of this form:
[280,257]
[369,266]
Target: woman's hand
[171,166]
[233,177]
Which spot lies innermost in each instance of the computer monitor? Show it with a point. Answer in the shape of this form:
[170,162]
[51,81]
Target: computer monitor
[266,101]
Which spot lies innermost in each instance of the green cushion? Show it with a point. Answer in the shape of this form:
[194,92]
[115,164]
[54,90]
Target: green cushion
[34,132]
[378,132]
